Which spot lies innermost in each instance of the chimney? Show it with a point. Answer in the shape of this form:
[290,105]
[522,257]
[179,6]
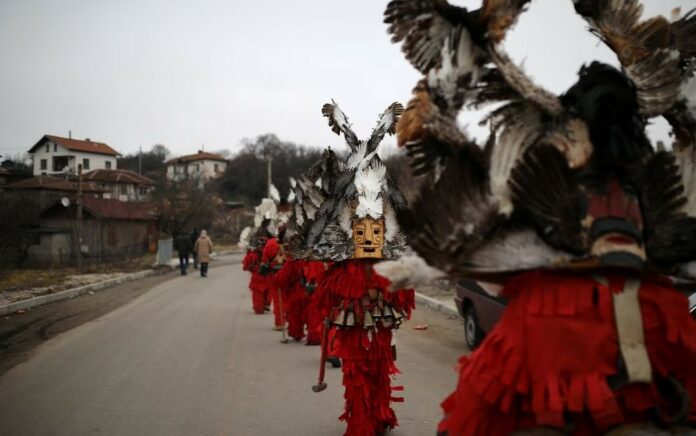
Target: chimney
[69,134]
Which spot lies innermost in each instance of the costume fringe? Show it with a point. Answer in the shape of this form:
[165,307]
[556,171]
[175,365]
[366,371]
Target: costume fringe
[547,361]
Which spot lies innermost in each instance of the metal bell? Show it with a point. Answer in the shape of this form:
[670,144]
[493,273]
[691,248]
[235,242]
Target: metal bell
[350,319]
[340,319]
[376,313]
[368,322]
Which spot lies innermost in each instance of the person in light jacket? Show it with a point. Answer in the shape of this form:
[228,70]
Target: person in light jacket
[203,248]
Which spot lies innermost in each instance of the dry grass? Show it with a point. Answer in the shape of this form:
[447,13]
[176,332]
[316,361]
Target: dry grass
[12,280]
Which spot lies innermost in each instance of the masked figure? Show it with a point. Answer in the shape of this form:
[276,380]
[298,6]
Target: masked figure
[355,227]
[568,204]
[258,285]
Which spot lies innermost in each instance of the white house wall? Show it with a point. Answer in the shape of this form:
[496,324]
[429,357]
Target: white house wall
[205,169]
[96,161]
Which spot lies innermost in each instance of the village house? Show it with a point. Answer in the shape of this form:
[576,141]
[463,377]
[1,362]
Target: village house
[46,190]
[109,228]
[202,165]
[123,185]
[54,155]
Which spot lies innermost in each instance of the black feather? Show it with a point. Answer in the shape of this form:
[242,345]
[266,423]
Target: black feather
[546,194]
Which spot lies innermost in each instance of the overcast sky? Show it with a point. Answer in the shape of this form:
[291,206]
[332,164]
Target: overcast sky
[210,72]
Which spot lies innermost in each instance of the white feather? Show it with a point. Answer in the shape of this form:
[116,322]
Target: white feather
[299,218]
[357,157]
[275,195]
[291,196]
[369,206]
[344,219]
[368,183]
[688,93]
[391,225]
[516,137]
[318,183]
[339,116]
[293,182]
[244,238]
[409,271]
[686,158]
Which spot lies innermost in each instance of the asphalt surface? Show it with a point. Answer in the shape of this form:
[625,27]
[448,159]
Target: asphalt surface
[189,357]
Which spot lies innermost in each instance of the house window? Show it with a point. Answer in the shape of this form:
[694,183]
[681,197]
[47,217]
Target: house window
[55,147]
[48,148]
[44,164]
[197,167]
[108,164]
[216,167]
[85,164]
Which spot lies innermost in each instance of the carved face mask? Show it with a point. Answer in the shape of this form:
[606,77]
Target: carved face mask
[368,236]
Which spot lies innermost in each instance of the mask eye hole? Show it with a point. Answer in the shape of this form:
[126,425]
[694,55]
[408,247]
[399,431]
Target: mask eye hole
[376,231]
[360,232]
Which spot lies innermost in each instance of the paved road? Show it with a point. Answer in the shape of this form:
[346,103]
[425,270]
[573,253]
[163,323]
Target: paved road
[190,358]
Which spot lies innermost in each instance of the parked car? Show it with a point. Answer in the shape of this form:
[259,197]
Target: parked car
[480,308]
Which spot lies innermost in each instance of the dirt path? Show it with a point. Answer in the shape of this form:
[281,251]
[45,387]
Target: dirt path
[21,333]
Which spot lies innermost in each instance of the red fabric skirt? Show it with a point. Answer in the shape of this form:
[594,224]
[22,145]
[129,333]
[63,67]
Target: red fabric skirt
[367,369]
[547,362]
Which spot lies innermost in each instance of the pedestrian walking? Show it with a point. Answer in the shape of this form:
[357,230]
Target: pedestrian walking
[183,246]
[203,249]
[194,237]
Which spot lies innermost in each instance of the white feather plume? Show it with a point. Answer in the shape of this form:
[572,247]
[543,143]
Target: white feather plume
[391,225]
[275,195]
[344,219]
[291,196]
[244,238]
[357,157]
[368,183]
[293,182]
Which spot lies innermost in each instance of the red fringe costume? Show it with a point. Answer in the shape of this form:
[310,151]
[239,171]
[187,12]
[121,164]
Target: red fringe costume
[257,283]
[313,272]
[528,374]
[364,346]
[294,296]
[270,251]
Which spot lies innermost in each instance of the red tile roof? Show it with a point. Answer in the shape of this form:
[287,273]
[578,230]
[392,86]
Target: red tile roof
[201,155]
[53,184]
[86,145]
[118,176]
[115,209]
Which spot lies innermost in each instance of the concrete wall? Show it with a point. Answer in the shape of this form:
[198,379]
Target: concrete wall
[53,249]
[96,161]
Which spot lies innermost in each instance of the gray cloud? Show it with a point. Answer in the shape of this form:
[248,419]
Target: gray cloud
[211,72]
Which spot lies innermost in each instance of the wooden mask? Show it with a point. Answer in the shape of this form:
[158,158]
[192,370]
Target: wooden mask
[368,237]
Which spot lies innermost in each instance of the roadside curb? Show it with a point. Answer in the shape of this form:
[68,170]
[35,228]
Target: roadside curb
[74,292]
[82,290]
[440,306]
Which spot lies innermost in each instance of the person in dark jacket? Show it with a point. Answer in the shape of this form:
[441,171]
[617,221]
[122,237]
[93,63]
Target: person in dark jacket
[183,246]
[194,237]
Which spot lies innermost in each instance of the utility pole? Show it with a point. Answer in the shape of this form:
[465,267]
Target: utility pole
[269,159]
[78,202]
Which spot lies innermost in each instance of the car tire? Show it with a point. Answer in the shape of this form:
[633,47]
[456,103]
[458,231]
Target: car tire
[473,335]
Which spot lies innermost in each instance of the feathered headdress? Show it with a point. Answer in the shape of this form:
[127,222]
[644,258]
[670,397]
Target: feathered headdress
[309,191]
[563,181]
[358,188]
